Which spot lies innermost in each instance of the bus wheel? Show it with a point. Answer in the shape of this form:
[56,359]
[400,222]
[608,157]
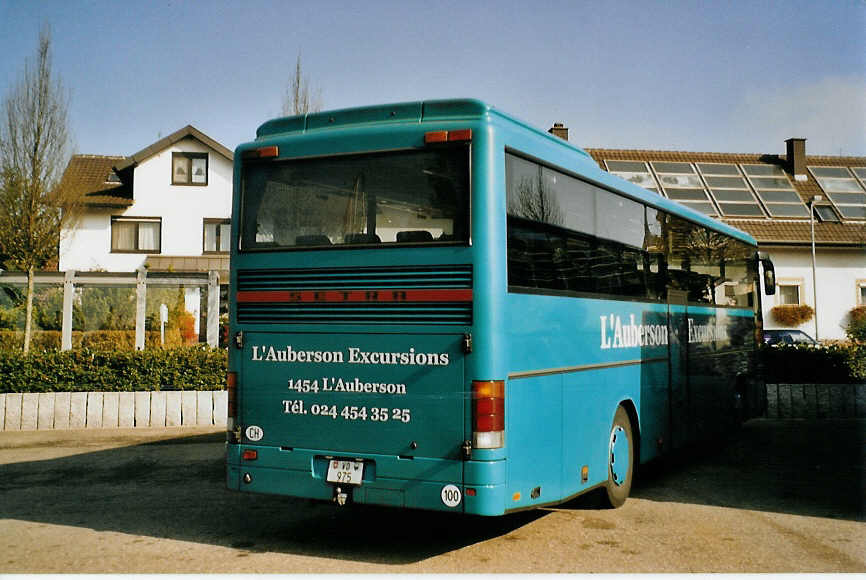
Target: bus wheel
[620,465]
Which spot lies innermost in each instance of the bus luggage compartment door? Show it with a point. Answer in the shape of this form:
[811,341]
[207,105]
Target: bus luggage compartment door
[355,394]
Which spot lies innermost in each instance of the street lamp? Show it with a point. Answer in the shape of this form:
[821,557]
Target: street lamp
[814,278]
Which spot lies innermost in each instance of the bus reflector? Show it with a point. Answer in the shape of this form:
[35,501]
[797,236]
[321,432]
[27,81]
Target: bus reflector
[451,136]
[488,414]
[232,432]
[265,152]
[250,454]
[460,135]
[232,394]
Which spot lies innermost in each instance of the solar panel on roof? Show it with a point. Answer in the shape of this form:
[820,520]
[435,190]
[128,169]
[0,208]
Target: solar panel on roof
[672,167]
[730,190]
[762,169]
[787,210]
[633,171]
[741,209]
[826,214]
[718,169]
[829,172]
[843,189]
[854,212]
[635,166]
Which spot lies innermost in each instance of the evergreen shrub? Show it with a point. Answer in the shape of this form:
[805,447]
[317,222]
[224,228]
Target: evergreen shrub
[856,328]
[842,363]
[196,368]
[92,339]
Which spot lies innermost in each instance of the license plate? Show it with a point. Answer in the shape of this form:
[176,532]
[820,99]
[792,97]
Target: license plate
[346,472]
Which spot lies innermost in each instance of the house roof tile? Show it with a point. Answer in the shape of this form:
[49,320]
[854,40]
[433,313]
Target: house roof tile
[86,177]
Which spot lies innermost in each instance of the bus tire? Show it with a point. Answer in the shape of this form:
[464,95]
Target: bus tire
[620,459]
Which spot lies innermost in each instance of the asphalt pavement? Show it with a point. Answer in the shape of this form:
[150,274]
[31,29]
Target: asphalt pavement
[780,496]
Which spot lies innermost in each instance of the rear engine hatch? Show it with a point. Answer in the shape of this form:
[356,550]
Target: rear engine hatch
[354,394]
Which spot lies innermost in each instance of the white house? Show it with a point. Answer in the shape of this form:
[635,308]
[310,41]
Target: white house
[172,199]
[166,207]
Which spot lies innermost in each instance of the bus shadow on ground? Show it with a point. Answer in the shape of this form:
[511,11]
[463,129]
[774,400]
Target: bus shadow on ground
[175,489]
[802,467]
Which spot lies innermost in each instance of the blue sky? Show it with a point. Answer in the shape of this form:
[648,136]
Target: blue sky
[738,76]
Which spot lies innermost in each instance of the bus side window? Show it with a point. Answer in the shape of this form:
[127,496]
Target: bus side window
[656,275]
[633,279]
[519,264]
[579,253]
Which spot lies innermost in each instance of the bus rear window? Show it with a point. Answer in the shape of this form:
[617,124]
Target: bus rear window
[401,197]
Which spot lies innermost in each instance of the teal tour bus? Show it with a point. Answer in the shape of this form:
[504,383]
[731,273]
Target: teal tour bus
[434,305]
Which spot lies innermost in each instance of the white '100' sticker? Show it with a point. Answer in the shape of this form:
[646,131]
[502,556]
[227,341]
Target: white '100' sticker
[451,495]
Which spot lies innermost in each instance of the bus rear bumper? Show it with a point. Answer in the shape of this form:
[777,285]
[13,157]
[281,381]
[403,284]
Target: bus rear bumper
[306,480]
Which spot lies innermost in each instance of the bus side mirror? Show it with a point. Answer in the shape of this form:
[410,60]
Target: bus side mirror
[769,277]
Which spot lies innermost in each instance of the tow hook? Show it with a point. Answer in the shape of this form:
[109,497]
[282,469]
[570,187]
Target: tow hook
[340,496]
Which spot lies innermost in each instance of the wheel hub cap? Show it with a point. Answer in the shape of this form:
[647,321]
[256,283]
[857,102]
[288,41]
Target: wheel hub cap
[619,459]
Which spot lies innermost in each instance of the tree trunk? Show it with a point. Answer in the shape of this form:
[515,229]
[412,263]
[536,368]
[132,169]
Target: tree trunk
[28,318]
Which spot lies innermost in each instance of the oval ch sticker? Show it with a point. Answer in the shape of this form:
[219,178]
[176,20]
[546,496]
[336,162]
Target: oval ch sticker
[451,495]
[254,433]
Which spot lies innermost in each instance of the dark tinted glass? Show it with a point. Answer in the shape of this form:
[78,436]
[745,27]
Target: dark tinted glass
[406,197]
[566,235]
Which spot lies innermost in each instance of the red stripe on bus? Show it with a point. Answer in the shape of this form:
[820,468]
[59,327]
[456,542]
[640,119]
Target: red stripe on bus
[429,295]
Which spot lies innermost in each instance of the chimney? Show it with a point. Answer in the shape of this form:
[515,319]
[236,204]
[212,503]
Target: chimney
[559,130]
[796,157]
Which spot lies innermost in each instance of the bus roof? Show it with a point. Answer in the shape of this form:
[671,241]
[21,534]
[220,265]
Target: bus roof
[474,109]
[411,112]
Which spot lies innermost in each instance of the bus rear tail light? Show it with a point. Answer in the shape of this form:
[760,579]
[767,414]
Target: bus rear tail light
[488,414]
[262,152]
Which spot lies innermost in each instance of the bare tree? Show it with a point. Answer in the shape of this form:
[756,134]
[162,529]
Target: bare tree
[298,99]
[532,200]
[34,148]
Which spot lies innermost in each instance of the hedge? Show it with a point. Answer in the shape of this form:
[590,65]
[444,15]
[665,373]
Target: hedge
[92,339]
[831,364]
[185,368]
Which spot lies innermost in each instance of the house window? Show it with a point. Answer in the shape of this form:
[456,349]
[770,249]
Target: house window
[789,293]
[217,235]
[189,168]
[136,235]
[861,292]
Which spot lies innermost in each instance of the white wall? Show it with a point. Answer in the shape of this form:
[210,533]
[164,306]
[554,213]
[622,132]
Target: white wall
[182,209]
[837,275]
